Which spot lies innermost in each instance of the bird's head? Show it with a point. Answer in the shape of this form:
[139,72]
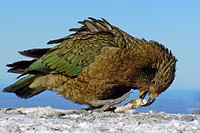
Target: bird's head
[157,72]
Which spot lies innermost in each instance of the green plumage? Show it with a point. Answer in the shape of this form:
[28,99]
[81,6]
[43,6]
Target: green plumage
[21,87]
[70,58]
[97,62]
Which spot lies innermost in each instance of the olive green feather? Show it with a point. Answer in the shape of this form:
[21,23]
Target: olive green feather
[98,62]
[21,87]
[74,52]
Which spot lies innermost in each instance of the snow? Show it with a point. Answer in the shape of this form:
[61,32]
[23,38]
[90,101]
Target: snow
[49,120]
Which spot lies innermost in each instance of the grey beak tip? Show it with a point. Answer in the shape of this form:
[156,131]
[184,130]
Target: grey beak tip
[150,101]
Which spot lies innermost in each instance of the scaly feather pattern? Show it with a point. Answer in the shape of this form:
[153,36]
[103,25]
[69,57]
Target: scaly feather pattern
[96,65]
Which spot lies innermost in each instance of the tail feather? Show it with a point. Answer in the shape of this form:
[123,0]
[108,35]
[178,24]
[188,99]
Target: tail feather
[21,87]
[20,66]
[34,53]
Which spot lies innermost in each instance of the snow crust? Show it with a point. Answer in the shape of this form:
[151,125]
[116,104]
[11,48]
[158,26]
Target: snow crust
[49,120]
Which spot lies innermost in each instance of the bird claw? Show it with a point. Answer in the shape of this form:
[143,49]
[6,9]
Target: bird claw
[104,105]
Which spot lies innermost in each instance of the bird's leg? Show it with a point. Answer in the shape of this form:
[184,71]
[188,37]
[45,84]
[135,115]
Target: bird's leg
[103,105]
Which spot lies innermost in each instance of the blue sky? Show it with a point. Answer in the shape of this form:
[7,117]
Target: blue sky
[29,24]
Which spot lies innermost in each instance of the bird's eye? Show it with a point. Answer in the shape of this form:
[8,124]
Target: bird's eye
[153,82]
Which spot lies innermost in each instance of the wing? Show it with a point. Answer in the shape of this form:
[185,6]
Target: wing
[20,67]
[73,53]
[78,50]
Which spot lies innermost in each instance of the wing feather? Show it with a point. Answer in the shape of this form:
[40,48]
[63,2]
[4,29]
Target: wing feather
[77,50]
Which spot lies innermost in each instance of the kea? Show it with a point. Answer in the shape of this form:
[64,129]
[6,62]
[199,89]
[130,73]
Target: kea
[98,65]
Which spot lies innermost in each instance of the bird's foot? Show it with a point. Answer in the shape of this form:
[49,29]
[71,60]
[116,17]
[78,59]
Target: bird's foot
[104,105]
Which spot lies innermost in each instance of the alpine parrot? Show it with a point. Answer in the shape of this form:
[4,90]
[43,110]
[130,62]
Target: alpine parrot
[97,65]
